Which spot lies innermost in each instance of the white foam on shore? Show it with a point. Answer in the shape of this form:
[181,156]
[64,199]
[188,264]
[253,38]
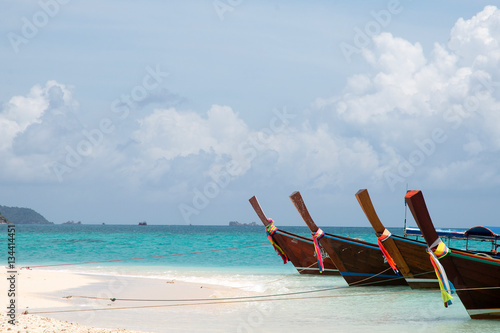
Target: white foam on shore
[255,281]
[375,309]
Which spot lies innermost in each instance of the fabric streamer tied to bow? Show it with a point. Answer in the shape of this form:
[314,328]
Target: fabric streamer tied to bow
[380,240]
[316,237]
[440,251]
[270,231]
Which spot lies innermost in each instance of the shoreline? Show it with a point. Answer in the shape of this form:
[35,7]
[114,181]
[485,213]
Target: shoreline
[44,294]
[40,324]
[79,302]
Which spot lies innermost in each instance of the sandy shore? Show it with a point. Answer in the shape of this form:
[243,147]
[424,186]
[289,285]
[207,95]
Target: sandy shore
[38,324]
[55,301]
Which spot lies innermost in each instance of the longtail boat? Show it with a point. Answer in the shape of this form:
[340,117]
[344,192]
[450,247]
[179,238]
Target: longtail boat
[359,262]
[295,248]
[406,255]
[474,277]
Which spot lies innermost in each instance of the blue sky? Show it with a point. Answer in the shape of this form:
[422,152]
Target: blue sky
[179,112]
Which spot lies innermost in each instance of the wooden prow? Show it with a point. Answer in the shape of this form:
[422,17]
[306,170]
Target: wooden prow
[416,202]
[367,206]
[260,213]
[302,209]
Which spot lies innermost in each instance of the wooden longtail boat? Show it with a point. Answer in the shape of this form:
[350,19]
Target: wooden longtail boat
[295,248]
[359,262]
[409,255]
[475,277]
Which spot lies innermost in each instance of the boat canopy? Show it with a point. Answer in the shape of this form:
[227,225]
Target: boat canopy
[479,233]
[447,233]
[483,232]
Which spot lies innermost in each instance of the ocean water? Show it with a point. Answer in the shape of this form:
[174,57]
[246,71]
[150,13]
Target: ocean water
[239,257]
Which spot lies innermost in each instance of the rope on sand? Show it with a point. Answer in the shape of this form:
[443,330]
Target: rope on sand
[260,298]
[113,299]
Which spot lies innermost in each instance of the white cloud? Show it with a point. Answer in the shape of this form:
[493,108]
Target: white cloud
[407,95]
[20,112]
[33,128]
[170,133]
[376,124]
[477,38]
[291,153]
[316,157]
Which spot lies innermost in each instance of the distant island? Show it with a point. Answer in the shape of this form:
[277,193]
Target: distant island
[3,220]
[72,222]
[19,215]
[236,223]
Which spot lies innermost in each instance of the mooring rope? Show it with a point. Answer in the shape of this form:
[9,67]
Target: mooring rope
[258,298]
[242,299]
[299,271]
[113,299]
[239,299]
[360,282]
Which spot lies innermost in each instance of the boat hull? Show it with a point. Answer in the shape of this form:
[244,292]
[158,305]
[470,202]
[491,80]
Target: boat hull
[422,275]
[300,251]
[474,277]
[477,282]
[359,262]
[409,256]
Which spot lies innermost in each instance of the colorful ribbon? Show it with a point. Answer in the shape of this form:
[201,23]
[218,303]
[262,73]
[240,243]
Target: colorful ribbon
[270,231]
[316,237]
[441,251]
[380,240]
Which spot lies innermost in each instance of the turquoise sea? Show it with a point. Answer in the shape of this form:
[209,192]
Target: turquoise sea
[239,257]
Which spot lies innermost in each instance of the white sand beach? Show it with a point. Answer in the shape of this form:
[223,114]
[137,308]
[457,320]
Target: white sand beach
[38,324]
[56,301]
[63,301]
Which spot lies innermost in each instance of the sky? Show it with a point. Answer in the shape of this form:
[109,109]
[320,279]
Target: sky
[177,112]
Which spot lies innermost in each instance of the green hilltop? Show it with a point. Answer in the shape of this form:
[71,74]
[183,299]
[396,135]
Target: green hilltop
[19,215]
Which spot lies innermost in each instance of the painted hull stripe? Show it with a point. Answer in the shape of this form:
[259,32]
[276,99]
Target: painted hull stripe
[297,238]
[352,242]
[467,256]
[410,280]
[368,274]
[475,312]
[408,240]
[315,269]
